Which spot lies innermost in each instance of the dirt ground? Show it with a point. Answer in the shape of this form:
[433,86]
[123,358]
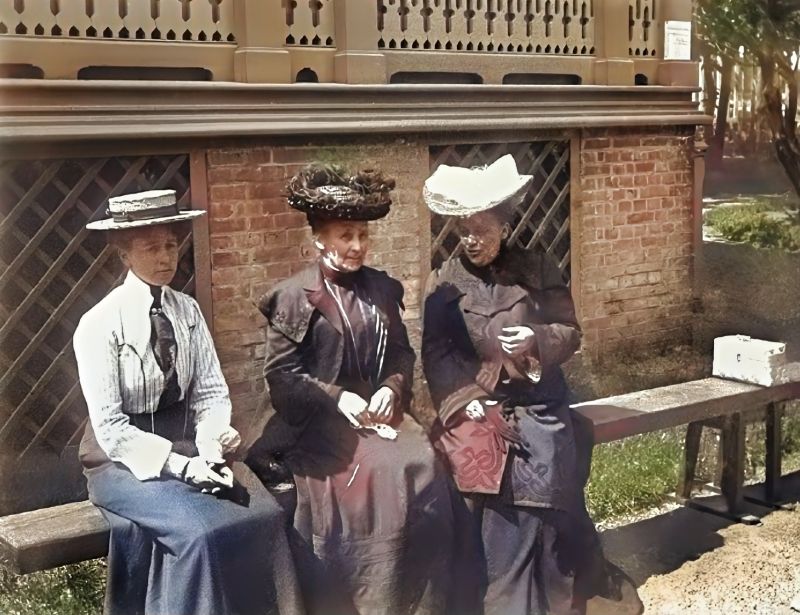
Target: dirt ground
[685,561]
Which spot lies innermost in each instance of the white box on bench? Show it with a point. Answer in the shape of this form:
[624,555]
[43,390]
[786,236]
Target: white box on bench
[740,357]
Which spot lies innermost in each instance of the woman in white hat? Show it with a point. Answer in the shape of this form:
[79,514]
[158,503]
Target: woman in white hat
[498,322]
[376,512]
[190,533]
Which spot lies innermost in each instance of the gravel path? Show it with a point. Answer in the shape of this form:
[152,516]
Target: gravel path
[755,571]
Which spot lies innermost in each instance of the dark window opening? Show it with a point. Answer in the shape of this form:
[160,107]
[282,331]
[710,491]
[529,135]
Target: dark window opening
[435,77]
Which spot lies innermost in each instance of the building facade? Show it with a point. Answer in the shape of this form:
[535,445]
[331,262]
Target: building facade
[223,100]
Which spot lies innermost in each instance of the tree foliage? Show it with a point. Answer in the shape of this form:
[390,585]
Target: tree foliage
[768,32]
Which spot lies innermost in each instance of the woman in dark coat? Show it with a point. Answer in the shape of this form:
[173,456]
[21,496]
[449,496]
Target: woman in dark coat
[498,322]
[190,534]
[376,511]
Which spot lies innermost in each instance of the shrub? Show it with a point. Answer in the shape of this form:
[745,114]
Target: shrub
[750,224]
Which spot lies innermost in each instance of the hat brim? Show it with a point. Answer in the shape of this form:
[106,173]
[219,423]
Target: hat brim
[109,224]
[342,211]
[444,206]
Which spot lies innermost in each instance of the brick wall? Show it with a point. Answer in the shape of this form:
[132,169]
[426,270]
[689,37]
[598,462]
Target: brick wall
[635,221]
[632,240]
[256,240]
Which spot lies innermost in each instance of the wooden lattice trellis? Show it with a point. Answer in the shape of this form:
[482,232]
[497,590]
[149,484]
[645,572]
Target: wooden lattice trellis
[543,215]
[52,270]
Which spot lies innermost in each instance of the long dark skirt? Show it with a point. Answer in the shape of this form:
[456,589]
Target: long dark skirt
[542,561]
[379,523]
[174,550]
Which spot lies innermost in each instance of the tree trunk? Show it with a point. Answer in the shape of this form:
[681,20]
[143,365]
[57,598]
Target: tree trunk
[717,146]
[709,83]
[782,127]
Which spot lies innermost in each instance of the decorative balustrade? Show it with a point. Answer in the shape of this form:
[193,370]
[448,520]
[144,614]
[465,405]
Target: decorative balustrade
[642,28]
[172,20]
[309,23]
[351,41]
[515,26]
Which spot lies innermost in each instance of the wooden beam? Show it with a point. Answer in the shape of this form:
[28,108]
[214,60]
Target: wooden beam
[774,441]
[201,236]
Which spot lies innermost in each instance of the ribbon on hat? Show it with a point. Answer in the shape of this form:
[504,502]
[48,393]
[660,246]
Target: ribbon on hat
[145,214]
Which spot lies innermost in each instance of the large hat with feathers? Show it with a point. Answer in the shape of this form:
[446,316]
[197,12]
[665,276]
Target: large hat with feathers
[330,192]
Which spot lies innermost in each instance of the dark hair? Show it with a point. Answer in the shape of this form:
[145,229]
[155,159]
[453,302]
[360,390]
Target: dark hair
[120,239]
[314,222]
[505,212]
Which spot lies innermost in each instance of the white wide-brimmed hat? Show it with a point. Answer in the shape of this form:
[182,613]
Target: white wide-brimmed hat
[143,209]
[458,191]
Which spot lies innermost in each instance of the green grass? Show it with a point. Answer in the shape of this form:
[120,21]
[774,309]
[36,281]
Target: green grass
[634,474]
[70,590]
[756,224]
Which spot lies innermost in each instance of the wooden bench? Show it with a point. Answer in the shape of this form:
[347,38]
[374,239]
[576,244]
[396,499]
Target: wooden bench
[710,402]
[70,533]
[66,534]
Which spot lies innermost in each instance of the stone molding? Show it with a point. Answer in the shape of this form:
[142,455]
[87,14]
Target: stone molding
[57,111]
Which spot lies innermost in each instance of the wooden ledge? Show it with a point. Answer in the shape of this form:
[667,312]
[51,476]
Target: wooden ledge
[29,541]
[42,110]
[614,418]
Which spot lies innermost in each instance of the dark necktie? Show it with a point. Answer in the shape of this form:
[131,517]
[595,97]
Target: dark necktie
[165,347]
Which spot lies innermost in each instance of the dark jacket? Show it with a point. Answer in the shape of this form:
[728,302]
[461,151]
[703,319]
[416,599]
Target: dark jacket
[465,309]
[305,345]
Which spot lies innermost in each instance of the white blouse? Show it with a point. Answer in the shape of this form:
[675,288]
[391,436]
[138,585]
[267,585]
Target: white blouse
[119,374]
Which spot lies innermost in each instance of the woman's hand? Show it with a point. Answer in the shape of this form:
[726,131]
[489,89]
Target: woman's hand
[353,407]
[210,451]
[517,341]
[381,405]
[207,477]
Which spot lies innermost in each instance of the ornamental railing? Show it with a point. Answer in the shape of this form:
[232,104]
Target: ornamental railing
[349,41]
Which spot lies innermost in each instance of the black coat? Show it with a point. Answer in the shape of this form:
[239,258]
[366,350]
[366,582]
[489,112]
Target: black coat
[466,307]
[305,345]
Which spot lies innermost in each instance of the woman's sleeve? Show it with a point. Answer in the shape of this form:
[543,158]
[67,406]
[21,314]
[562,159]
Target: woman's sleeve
[208,392]
[560,337]
[451,378]
[294,392]
[144,454]
[399,358]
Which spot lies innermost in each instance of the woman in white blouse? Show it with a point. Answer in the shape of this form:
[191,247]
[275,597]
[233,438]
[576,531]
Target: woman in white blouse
[190,534]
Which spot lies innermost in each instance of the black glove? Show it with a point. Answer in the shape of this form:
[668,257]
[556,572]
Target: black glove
[504,424]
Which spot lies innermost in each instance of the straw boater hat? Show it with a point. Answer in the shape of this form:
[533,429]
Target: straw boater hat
[330,193]
[458,191]
[143,209]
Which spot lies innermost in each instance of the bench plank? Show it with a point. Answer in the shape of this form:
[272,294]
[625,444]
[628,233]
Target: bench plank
[69,533]
[621,416]
[51,537]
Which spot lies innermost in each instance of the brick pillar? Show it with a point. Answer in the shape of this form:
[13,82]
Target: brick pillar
[636,238]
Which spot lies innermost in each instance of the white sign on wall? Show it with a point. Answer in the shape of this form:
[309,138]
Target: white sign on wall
[678,40]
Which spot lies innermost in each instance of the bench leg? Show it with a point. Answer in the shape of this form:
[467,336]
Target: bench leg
[773,455]
[690,453]
[732,479]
